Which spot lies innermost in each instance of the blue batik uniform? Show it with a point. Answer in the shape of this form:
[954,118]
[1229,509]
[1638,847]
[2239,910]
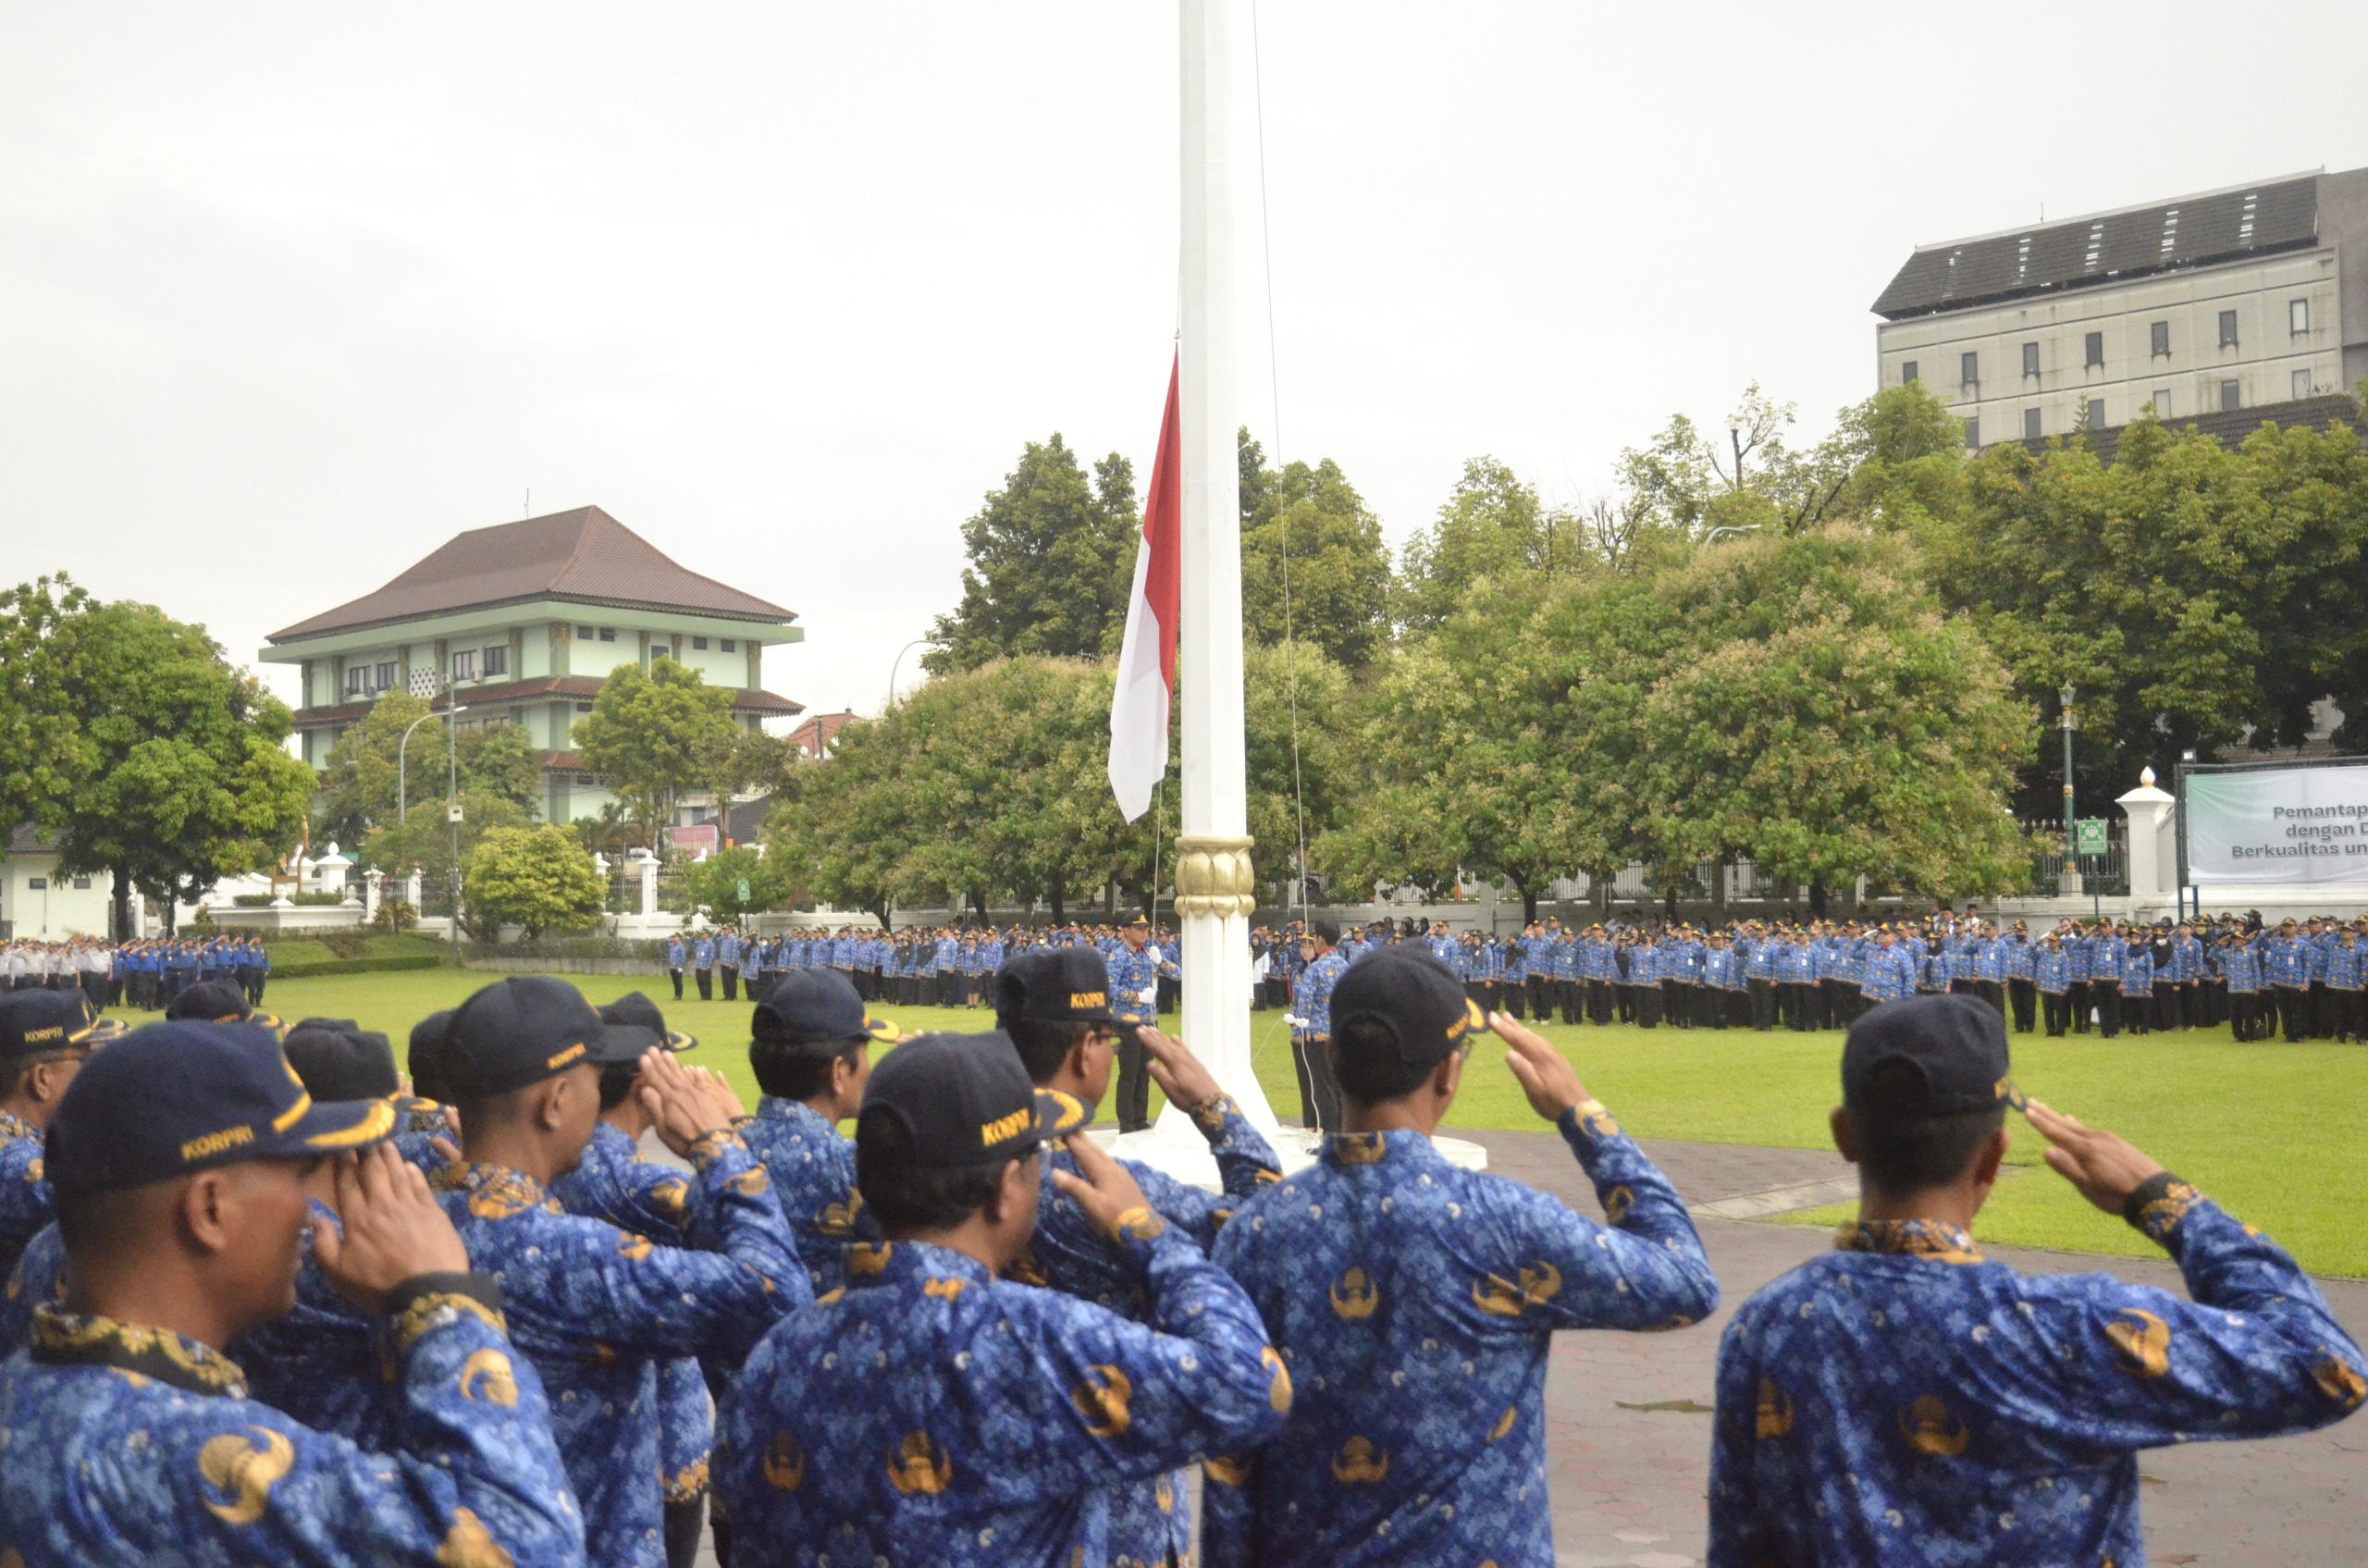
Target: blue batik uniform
[24,1189]
[2138,972]
[813,1174]
[2239,966]
[597,1307]
[1131,974]
[1415,1303]
[1067,1253]
[1905,1401]
[38,1280]
[132,1447]
[2052,969]
[933,1415]
[614,1183]
[1312,998]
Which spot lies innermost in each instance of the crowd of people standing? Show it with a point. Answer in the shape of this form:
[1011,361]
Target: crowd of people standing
[146,974]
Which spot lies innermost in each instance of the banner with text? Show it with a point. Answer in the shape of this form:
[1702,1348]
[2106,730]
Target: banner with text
[2279,825]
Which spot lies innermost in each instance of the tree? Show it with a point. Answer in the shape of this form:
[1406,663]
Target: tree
[538,879]
[1309,527]
[373,774]
[423,840]
[651,738]
[736,882]
[180,774]
[1493,525]
[1051,563]
[42,745]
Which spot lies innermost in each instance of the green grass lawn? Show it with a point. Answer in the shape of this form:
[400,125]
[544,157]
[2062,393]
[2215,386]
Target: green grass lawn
[2274,1132]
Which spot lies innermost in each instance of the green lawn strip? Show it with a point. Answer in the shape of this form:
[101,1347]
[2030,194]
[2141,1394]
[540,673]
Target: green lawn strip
[2271,1131]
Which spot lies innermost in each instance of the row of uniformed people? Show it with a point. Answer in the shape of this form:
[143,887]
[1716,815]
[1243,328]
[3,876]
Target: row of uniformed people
[147,973]
[939,1345]
[945,966]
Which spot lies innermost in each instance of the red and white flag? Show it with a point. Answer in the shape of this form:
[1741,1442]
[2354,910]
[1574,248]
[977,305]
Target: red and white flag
[1146,689]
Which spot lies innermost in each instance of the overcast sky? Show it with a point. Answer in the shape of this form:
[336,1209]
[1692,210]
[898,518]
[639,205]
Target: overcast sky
[291,293]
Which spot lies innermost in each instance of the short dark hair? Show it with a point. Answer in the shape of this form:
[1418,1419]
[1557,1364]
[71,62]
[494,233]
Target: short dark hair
[1365,1058]
[798,1072]
[1325,931]
[1902,1155]
[1044,1044]
[906,1195]
[616,1081]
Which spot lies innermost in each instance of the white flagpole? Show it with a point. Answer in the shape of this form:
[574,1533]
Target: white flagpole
[1214,880]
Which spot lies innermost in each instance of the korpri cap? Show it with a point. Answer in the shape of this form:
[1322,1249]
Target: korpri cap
[174,1098]
[1053,985]
[817,1011]
[964,1100]
[1925,1056]
[521,1031]
[33,1023]
[217,1001]
[1412,997]
[338,1060]
[633,1007]
[424,1058]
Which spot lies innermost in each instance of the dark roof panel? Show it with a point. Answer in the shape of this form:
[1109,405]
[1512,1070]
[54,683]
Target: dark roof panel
[2194,232]
[584,554]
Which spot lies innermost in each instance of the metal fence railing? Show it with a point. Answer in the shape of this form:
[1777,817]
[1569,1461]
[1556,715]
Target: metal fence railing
[2105,875]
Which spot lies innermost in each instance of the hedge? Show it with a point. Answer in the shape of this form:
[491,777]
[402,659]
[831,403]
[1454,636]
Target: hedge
[306,967]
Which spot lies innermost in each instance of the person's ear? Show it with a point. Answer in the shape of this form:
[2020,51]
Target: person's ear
[1011,1191]
[1447,1077]
[1993,1154]
[1844,1140]
[552,1103]
[209,1208]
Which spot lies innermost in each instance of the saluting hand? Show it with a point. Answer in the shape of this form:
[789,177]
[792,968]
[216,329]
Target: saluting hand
[1546,1075]
[2106,1167]
[1180,1074]
[394,1229]
[681,1108]
[1105,1189]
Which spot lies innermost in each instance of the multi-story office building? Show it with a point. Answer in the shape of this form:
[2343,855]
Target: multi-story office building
[2254,297]
[523,623]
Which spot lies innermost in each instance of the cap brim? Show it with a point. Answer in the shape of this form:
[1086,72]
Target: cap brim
[618,1044]
[97,1032]
[677,1042]
[882,1030]
[331,1125]
[1059,1115]
[261,1021]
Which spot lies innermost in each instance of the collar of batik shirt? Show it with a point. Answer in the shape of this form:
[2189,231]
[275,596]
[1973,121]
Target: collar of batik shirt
[67,1339]
[941,1271]
[796,1115]
[1400,1147]
[13,1128]
[495,1191]
[1915,1237]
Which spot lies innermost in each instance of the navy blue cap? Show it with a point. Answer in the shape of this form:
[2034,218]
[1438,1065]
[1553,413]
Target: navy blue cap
[636,1009]
[423,1060]
[34,1024]
[217,1001]
[170,1099]
[521,1031]
[1055,986]
[816,1010]
[965,1100]
[337,1059]
[1413,998]
[1933,1055]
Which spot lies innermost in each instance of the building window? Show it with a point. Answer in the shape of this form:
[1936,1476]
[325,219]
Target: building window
[2227,329]
[2301,385]
[608,634]
[357,681]
[2161,402]
[1969,368]
[2030,359]
[2298,317]
[1973,431]
[585,633]
[464,665]
[2161,333]
[1907,376]
[2031,431]
[731,645]
[82,884]
[2095,352]
[496,661]
[386,674]
[2229,399]
[700,643]
[584,707]
[2094,411]
[658,650]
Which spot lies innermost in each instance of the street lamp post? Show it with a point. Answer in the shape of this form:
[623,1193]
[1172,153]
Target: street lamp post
[401,784]
[898,663]
[2068,883]
[452,816]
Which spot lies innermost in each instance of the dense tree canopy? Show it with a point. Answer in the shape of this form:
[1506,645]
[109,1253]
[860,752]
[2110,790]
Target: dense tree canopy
[1051,558]
[1492,525]
[1307,528]
[538,879]
[654,738]
[372,774]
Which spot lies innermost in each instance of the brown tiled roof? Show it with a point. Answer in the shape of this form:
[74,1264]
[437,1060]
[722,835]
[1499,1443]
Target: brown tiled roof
[584,555]
[581,688]
[815,735]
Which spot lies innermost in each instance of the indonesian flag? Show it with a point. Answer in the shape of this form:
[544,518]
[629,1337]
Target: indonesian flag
[1146,689]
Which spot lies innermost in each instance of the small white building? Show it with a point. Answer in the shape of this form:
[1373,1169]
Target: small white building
[39,904]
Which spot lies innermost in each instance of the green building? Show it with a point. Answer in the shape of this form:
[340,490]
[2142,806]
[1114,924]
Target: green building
[525,621]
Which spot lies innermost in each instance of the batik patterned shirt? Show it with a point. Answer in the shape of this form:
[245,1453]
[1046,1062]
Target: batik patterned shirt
[933,1415]
[124,1447]
[1413,1305]
[595,1307]
[1903,1400]
[813,1173]
[24,1189]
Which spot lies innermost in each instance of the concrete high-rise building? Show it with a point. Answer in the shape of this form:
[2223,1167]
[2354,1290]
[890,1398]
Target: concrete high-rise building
[2254,298]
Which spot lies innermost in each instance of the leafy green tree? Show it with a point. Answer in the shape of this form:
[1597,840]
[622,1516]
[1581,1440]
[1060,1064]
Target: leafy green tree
[1052,558]
[716,884]
[43,750]
[1493,525]
[1309,527]
[538,879]
[654,738]
[372,773]
[181,775]
[423,840]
